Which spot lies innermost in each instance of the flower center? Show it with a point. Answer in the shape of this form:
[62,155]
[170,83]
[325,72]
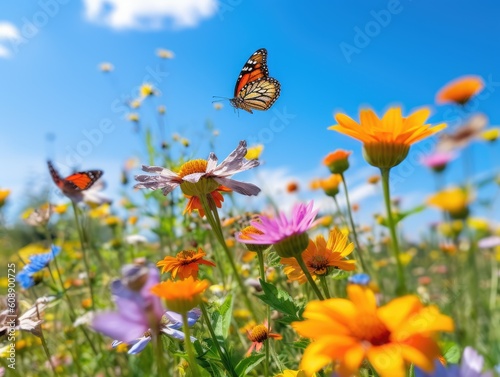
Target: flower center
[194,166]
[258,334]
[371,329]
[320,264]
[247,232]
[186,256]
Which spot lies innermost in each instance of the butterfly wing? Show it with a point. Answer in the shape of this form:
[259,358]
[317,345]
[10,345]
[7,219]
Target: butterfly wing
[55,175]
[82,180]
[254,88]
[254,69]
[75,182]
[259,95]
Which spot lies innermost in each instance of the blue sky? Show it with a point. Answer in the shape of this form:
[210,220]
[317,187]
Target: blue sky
[50,82]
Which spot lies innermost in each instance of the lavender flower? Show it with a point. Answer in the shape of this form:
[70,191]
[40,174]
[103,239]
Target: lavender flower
[140,314]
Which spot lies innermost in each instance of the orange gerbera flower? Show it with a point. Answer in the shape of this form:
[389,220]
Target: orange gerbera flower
[258,335]
[181,295]
[387,140]
[389,337]
[460,90]
[321,257]
[194,202]
[184,264]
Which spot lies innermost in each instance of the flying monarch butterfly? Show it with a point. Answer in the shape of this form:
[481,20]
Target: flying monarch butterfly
[254,88]
[75,183]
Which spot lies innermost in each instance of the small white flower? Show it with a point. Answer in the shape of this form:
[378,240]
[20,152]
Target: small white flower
[135,239]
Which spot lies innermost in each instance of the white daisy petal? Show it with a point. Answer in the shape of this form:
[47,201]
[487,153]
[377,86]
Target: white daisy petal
[243,188]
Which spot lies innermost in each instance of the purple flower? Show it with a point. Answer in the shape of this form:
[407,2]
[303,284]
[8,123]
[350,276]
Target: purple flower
[438,160]
[197,177]
[489,242]
[471,366]
[139,311]
[276,229]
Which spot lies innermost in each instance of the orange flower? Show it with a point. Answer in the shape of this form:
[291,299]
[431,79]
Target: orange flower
[349,331]
[194,202]
[374,179]
[387,140]
[460,90]
[321,257]
[4,194]
[292,187]
[185,264]
[246,234]
[258,335]
[331,184]
[337,161]
[181,295]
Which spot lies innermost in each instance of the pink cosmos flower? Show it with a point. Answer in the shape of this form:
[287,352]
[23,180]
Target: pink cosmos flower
[276,229]
[438,160]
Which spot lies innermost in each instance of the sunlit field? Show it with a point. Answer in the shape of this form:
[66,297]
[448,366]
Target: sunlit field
[241,235]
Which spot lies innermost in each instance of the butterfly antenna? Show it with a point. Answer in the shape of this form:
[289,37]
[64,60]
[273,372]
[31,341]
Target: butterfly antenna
[219,98]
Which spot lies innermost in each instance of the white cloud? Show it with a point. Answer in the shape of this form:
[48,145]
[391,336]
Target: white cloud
[8,32]
[149,14]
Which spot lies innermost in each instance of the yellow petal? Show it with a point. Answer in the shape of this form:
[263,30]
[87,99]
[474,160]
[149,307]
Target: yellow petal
[396,312]
[387,361]
[362,298]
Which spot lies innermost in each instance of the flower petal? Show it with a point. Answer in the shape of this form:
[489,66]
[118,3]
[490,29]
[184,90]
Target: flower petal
[387,361]
[243,188]
[116,326]
[139,346]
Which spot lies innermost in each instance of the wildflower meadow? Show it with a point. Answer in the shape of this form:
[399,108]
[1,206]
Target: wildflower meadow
[180,261]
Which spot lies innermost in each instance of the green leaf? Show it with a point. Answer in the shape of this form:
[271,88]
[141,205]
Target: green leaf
[412,371]
[451,352]
[248,364]
[301,344]
[399,216]
[340,275]
[281,301]
[221,318]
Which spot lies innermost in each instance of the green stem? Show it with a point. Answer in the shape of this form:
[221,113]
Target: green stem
[494,282]
[302,265]
[324,285]
[401,287]
[189,347]
[214,221]
[225,360]
[47,353]
[84,251]
[353,226]
[344,221]
[267,344]
[160,365]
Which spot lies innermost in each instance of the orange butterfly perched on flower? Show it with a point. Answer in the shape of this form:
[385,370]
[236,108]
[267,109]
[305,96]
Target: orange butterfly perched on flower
[254,88]
[75,183]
